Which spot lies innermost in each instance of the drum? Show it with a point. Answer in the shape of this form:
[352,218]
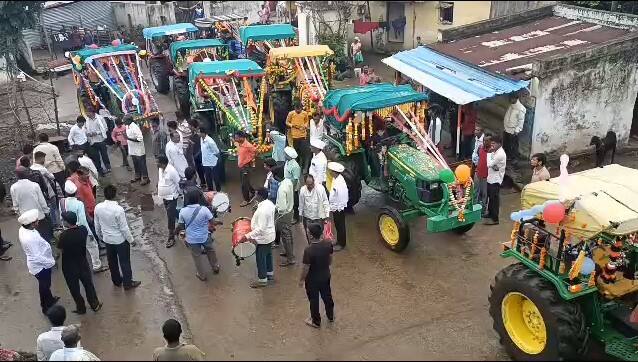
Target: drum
[219,201]
[241,251]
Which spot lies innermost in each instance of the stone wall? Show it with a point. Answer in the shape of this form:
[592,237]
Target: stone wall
[585,94]
[132,14]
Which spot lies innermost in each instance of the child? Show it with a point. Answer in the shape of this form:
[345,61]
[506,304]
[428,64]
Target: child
[118,135]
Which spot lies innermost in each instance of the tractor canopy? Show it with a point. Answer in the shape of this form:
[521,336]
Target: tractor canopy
[225,68]
[300,51]
[266,32]
[604,200]
[368,98]
[172,29]
[194,44]
[88,54]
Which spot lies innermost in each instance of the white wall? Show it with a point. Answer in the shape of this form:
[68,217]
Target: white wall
[585,100]
[245,8]
[146,15]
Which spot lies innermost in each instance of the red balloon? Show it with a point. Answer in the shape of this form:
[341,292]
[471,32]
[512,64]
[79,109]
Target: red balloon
[93,46]
[115,42]
[554,213]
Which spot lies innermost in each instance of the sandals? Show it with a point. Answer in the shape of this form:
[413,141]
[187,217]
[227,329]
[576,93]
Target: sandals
[170,243]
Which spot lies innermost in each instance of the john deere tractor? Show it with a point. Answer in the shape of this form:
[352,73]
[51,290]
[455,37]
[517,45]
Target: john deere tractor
[158,39]
[186,52]
[377,133]
[575,276]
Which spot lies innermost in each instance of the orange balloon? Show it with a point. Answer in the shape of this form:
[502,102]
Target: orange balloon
[462,173]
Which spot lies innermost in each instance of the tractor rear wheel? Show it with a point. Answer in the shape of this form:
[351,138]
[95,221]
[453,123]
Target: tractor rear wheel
[463,229]
[181,96]
[532,320]
[159,75]
[394,231]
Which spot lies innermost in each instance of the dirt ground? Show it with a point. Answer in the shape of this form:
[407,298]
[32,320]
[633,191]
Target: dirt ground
[428,302]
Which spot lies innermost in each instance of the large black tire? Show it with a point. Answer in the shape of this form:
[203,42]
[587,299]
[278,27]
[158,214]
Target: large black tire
[181,95]
[281,104]
[565,325]
[159,75]
[463,229]
[401,233]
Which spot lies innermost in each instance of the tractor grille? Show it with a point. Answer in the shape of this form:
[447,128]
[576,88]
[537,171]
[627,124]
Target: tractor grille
[429,192]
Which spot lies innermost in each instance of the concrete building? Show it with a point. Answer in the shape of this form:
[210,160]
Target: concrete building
[581,64]
[143,13]
[407,20]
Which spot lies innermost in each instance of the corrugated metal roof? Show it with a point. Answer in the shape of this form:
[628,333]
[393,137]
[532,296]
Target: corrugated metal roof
[89,14]
[460,82]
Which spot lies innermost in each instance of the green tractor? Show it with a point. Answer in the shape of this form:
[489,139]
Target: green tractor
[226,97]
[575,279]
[182,54]
[377,133]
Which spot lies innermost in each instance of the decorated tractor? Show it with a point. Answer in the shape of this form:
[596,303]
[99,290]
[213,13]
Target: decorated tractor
[110,78]
[186,52]
[377,133]
[228,96]
[258,40]
[575,277]
[297,73]
[158,40]
[224,27]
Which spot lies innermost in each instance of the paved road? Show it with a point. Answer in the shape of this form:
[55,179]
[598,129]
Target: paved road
[429,302]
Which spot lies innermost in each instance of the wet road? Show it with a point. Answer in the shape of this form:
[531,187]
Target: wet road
[429,302]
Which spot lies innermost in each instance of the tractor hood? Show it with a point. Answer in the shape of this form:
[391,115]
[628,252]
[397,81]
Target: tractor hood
[415,162]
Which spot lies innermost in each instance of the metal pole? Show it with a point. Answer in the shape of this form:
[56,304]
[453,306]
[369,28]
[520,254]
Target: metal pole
[55,102]
[458,130]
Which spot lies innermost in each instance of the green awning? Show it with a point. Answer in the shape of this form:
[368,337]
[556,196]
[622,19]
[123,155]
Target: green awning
[371,97]
[105,51]
[266,32]
[194,44]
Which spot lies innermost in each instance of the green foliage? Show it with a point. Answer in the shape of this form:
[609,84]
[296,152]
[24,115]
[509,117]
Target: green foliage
[16,16]
[336,42]
[630,7]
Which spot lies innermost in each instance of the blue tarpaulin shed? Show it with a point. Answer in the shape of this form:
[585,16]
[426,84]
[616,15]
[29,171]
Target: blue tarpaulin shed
[450,77]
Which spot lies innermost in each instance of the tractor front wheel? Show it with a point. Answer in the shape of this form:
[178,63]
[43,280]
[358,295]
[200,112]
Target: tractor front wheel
[394,231]
[533,322]
[463,229]
[181,96]
[159,75]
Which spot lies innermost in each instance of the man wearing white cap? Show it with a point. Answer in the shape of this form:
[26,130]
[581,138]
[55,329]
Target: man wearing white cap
[40,259]
[319,161]
[338,202]
[72,204]
[292,171]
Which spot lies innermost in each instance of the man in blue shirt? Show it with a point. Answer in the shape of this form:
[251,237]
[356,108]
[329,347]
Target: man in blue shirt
[279,144]
[197,221]
[210,155]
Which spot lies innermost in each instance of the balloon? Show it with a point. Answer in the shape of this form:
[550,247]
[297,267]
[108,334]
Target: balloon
[554,213]
[76,59]
[538,209]
[462,173]
[78,66]
[116,42]
[143,53]
[93,46]
[447,176]
[527,215]
[515,216]
[588,266]
[563,179]
[135,101]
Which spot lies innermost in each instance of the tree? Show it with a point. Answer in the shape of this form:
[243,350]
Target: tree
[332,33]
[16,16]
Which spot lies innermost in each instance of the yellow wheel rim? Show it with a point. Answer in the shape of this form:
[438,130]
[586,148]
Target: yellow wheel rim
[389,230]
[524,323]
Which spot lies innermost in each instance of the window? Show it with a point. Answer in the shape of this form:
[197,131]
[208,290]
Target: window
[446,12]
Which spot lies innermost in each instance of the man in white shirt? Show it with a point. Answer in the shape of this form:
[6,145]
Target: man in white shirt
[434,129]
[313,204]
[96,133]
[284,207]
[40,259]
[338,202]
[168,190]
[263,234]
[77,135]
[112,228]
[136,150]
[72,351]
[175,154]
[496,162]
[513,125]
[27,195]
[209,158]
[317,129]
[319,162]
[478,142]
[53,160]
[50,341]
[86,161]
